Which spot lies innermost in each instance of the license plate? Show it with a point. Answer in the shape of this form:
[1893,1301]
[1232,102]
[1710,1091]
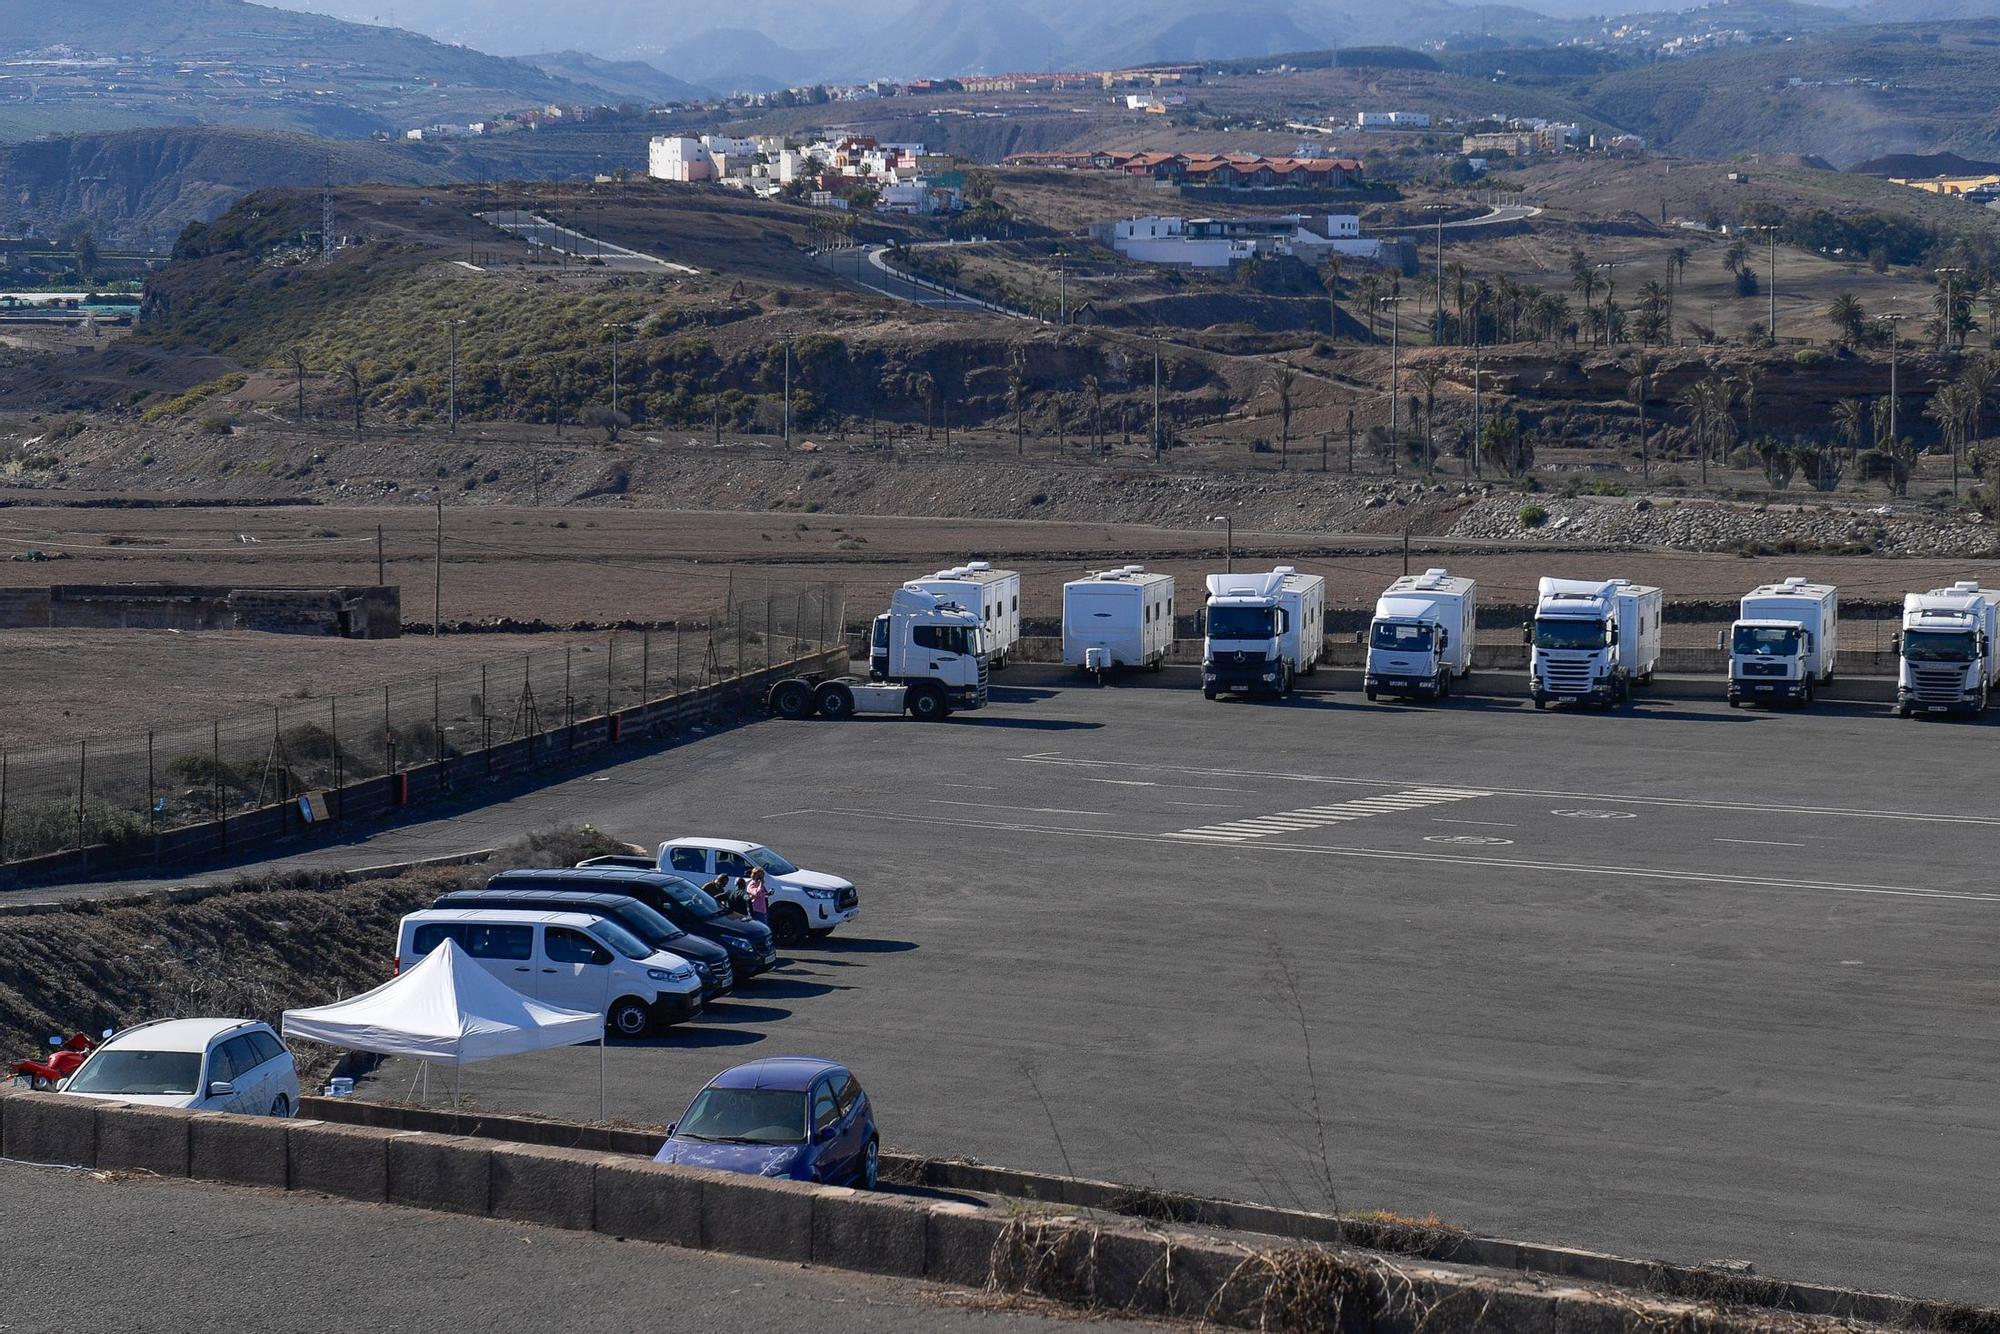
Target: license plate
[1937,708]
[1399,683]
[1766,689]
[1567,699]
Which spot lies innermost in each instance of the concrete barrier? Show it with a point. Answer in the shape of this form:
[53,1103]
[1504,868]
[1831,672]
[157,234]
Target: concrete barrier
[143,1139]
[760,1216]
[244,1150]
[878,1234]
[348,1161]
[45,1128]
[645,1201]
[449,1172]
[537,1184]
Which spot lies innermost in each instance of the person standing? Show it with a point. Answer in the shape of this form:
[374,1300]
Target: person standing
[760,897]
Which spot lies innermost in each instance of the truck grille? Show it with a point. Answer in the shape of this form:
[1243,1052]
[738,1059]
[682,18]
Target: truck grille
[849,898]
[724,976]
[1567,678]
[982,674]
[1764,667]
[1939,685]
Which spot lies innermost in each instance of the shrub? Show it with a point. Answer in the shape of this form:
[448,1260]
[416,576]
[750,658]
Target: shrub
[1533,516]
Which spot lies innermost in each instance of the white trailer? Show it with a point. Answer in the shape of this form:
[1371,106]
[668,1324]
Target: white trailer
[1949,650]
[1262,631]
[1422,636]
[1118,618]
[1783,643]
[1593,641]
[994,594]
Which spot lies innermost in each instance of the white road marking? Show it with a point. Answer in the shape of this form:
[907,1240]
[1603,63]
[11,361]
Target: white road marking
[1316,817]
[1689,803]
[1760,842]
[1001,806]
[1458,859]
[1494,824]
[976,787]
[1121,782]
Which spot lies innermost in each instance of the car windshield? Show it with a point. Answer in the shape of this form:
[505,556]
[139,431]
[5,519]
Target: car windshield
[1401,636]
[692,898]
[1240,622]
[1568,634]
[746,1116]
[618,938]
[135,1071]
[646,923]
[1937,646]
[1781,640]
[772,863]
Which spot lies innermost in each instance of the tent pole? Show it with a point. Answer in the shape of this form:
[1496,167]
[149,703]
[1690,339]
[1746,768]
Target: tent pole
[454,1096]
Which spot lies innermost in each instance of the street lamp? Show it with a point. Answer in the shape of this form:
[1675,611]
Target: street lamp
[1895,342]
[614,327]
[1440,210]
[1771,278]
[1228,541]
[1394,303]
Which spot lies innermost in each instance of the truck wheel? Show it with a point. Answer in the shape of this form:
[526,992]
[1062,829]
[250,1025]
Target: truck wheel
[1370,694]
[1902,710]
[788,924]
[834,701]
[1541,703]
[792,699]
[926,704]
[1207,693]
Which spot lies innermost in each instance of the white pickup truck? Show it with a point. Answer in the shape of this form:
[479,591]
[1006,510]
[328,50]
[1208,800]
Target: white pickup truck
[803,903]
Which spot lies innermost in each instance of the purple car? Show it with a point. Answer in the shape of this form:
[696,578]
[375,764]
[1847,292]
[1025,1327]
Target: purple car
[784,1116]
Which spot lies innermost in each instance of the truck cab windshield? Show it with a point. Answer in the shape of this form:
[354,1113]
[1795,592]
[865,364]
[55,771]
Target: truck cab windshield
[961,639]
[1241,622]
[1400,637]
[1937,646]
[1766,639]
[1569,634]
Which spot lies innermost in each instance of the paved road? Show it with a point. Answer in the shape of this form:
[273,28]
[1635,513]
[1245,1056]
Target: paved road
[1682,981]
[160,1256]
[867,268]
[537,230]
[1494,216]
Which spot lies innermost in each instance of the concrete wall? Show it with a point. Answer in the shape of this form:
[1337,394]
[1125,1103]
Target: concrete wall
[352,611]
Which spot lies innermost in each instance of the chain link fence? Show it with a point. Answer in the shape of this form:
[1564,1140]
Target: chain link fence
[123,789]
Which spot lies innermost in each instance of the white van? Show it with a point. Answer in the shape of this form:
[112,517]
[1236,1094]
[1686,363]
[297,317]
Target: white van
[572,961]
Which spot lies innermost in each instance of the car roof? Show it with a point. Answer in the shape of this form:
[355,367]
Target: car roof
[532,892]
[179,1034]
[720,844]
[785,1073]
[529,916]
[611,877]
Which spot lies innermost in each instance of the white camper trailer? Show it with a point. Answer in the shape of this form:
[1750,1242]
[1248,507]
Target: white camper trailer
[1118,618]
[994,594]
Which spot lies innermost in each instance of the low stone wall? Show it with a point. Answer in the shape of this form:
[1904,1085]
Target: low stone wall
[1143,1259]
[350,611]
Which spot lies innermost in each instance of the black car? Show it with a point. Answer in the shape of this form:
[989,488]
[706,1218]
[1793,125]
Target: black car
[752,948]
[712,961]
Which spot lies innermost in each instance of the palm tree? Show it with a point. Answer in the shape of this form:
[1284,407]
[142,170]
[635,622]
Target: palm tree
[1586,283]
[1978,377]
[350,371]
[1677,263]
[1844,312]
[1017,397]
[1733,258]
[1747,381]
[1369,289]
[1282,382]
[927,386]
[1950,409]
[1656,302]
[1330,276]
[1851,416]
[1427,377]
[1096,393]
[1639,390]
[296,356]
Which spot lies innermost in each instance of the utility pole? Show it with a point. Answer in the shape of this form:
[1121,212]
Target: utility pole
[1350,439]
[1159,441]
[1772,266]
[1228,541]
[378,556]
[451,328]
[437,576]
[1062,274]
[1395,372]
[788,393]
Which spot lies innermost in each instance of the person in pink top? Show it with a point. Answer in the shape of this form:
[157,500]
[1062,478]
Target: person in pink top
[760,897]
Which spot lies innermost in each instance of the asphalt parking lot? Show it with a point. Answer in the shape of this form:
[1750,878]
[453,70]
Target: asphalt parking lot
[159,1257]
[1679,981]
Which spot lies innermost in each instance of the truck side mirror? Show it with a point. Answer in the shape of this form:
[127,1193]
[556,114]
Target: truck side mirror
[1895,643]
[1444,638]
[1720,637]
[1527,634]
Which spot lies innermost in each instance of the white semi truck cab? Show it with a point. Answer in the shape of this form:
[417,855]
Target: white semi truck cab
[1592,642]
[1783,643]
[1262,631]
[1421,637]
[926,657]
[1947,650]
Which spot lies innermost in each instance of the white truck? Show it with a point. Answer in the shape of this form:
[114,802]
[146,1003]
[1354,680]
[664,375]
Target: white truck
[1948,650]
[1783,643]
[994,594]
[1118,618]
[1262,631]
[1592,641]
[926,657]
[1421,637]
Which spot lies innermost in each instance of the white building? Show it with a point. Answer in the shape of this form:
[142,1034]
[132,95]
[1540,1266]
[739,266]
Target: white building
[720,145]
[1216,243]
[676,157]
[1392,120]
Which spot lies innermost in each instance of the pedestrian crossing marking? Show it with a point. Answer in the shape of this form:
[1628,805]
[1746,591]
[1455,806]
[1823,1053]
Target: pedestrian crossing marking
[1315,817]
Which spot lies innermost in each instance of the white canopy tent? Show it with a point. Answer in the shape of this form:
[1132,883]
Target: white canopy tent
[447,1010]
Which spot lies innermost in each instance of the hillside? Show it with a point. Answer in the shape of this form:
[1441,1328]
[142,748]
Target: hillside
[627,80]
[118,63]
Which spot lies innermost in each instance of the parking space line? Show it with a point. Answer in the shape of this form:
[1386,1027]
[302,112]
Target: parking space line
[1760,842]
[1317,817]
[1685,803]
[1187,839]
[1001,806]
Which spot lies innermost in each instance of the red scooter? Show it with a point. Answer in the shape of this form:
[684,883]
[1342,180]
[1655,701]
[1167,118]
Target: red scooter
[69,1053]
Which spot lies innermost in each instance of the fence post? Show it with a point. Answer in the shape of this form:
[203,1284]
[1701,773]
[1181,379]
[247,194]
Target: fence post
[388,738]
[610,665]
[770,626]
[678,645]
[3,805]
[82,765]
[569,696]
[152,802]
[437,724]
[485,721]
[221,805]
[339,760]
[645,667]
